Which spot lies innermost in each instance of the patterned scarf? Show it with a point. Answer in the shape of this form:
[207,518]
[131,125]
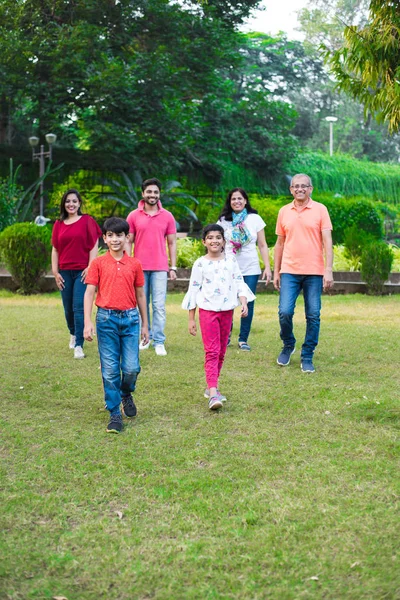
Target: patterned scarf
[241,236]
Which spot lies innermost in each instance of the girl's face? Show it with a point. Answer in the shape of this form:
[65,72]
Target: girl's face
[214,243]
[72,205]
[238,203]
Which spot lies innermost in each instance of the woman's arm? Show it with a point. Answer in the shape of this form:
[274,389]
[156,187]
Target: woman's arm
[54,267]
[92,256]
[263,246]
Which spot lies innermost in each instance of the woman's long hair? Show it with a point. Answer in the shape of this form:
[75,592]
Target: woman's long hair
[63,212]
[226,211]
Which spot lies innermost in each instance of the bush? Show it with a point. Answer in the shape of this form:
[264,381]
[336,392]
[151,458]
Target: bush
[355,240]
[26,250]
[376,263]
[187,251]
[345,212]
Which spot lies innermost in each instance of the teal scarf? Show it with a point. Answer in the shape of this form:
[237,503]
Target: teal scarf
[241,236]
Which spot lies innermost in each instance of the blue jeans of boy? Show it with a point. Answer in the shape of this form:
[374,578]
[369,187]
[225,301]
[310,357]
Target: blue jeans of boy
[72,299]
[118,341]
[155,288]
[245,324]
[291,286]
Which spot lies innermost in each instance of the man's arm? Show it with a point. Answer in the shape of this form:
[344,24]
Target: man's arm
[88,331]
[328,252]
[142,305]
[171,241]
[278,253]
[128,244]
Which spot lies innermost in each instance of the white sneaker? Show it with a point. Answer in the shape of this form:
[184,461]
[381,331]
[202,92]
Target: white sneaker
[78,352]
[160,350]
[144,346]
[72,342]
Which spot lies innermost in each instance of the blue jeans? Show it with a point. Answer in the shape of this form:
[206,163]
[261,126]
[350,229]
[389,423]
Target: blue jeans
[72,299]
[118,341]
[291,286]
[245,324]
[155,287]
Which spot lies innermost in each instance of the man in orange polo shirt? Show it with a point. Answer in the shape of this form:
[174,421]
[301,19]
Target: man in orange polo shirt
[304,231]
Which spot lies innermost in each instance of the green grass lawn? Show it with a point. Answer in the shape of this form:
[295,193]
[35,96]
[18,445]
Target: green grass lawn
[290,492]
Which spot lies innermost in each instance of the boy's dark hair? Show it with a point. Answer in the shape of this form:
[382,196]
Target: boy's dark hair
[116,225]
[63,212]
[212,227]
[152,181]
[227,208]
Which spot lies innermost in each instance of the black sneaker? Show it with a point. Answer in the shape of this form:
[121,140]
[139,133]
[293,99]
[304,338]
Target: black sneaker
[284,357]
[115,425]
[128,406]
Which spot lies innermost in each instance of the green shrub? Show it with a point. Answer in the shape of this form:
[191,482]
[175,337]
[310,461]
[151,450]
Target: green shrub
[376,264]
[26,250]
[345,212]
[355,240]
[187,251]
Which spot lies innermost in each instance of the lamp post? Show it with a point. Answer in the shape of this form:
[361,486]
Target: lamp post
[331,121]
[40,156]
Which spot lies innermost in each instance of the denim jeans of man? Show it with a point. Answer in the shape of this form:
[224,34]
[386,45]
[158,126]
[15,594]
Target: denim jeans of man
[72,299]
[155,289]
[118,341]
[245,324]
[291,286]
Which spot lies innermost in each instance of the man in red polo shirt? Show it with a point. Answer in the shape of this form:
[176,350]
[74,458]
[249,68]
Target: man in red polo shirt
[304,231]
[152,229]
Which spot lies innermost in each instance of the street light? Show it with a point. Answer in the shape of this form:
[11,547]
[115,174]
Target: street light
[40,156]
[331,121]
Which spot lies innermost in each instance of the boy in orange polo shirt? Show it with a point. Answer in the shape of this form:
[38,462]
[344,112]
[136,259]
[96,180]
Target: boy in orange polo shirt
[119,280]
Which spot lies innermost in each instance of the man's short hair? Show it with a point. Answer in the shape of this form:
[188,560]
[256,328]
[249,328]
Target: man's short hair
[301,175]
[116,225]
[152,181]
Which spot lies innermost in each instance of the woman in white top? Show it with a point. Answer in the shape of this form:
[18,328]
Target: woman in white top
[244,231]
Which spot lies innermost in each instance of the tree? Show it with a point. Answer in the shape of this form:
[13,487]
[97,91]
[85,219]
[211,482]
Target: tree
[367,66]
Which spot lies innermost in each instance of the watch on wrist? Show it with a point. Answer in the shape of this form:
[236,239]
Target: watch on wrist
[173,268]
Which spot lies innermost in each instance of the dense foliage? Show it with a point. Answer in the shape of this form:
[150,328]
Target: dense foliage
[376,264]
[25,250]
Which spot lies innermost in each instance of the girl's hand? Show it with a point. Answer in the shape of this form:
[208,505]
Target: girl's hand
[83,274]
[244,311]
[59,281]
[267,275]
[192,327]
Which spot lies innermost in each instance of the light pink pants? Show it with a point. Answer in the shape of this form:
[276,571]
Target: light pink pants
[215,329]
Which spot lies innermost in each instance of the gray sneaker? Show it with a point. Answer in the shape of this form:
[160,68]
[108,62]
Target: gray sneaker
[219,395]
[284,358]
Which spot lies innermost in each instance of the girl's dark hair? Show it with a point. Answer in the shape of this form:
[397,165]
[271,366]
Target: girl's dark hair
[116,225]
[212,227]
[226,211]
[63,212]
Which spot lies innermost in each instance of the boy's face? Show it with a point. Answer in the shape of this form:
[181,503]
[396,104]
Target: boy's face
[115,241]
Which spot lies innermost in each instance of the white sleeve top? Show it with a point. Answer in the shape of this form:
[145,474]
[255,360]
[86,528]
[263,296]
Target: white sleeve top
[247,257]
[216,285]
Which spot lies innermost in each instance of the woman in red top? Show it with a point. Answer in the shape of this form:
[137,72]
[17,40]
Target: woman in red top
[75,241]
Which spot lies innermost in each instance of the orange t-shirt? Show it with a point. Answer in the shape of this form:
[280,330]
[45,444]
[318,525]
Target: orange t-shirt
[116,281]
[302,230]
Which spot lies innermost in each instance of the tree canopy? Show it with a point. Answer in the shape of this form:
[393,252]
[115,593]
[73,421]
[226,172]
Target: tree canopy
[367,66]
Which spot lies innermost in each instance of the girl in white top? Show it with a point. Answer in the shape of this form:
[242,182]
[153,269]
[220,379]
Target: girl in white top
[244,231]
[216,287]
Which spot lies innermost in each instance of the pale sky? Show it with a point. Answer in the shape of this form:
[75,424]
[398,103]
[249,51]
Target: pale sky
[279,15]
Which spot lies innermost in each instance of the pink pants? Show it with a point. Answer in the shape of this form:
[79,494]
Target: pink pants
[215,329]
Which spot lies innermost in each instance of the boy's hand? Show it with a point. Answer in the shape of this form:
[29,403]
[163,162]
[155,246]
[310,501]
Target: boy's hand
[144,335]
[192,327]
[244,312]
[88,332]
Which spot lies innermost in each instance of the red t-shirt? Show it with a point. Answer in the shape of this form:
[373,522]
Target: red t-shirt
[150,231]
[74,242]
[116,281]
